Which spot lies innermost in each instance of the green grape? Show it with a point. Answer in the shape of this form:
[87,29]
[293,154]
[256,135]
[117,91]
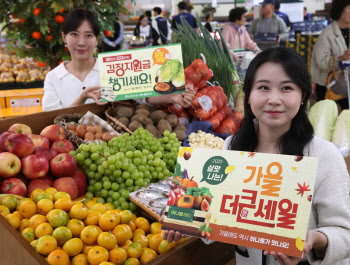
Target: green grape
[112,178]
[92,182]
[115,186]
[73,153]
[129,182]
[86,148]
[137,154]
[116,195]
[98,186]
[118,164]
[91,175]
[110,193]
[93,149]
[138,182]
[119,180]
[108,172]
[165,139]
[129,154]
[105,164]
[105,178]
[150,157]
[130,189]
[131,168]
[146,173]
[89,195]
[109,200]
[104,193]
[95,156]
[136,188]
[80,157]
[137,161]
[147,181]
[97,193]
[126,175]
[132,206]
[171,162]
[140,175]
[116,204]
[85,154]
[107,185]
[150,162]
[154,148]
[156,162]
[121,200]
[125,166]
[174,149]
[90,188]
[122,186]
[80,147]
[111,160]
[93,167]
[107,154]
[98,176]
[166,133]
[125,206]
[100,200]
[145,152]
[111,167]
[134,175]
[117,173]
[160,175]
[158,154]
[144,184]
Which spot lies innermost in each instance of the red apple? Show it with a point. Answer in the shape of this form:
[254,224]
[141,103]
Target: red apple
[35,166]
[37,184]
[53,133]
[13,186]
[3,137]
[62,146]
[67,185]
[23,178]
[63,165]
[49,179]
[20,128]
[10,165]
[80,180]
[39,140]
[47,152]
[19,144]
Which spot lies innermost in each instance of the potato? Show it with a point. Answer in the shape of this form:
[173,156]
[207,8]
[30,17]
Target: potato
[98,135]
[180,135]
[143,111]
[125,112]
[143,106]
[125,121]
[180,127]
[98,129]
[106,137]
[157,115]
[173,120]
[91,129]
[141,118]
[134,125]
[163,125]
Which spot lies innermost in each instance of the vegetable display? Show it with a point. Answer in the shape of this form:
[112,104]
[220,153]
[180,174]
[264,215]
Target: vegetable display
[341,133]
[322,116]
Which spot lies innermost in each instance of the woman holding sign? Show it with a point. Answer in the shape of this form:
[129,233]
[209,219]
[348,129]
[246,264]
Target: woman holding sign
[77,81]
[275,122]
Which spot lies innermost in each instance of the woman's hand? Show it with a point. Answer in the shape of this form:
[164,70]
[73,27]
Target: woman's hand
[185,99]
[94,93]
[313,239]
[171,235]
[345,56]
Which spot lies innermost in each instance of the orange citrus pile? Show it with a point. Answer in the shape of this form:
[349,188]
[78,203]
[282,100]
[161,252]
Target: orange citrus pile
[68,232]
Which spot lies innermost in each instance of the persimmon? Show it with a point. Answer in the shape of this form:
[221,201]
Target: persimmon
[60,10]
[38,63]
[36,11]
[107,33]
[189,183]
[186,201]
[36,35]
[59,19]
[49,38]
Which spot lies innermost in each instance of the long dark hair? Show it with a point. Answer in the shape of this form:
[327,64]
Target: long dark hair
[338,7]
[301,131]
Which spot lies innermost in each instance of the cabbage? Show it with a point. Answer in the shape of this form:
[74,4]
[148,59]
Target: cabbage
[322,116]
[179,79]
[341,134]
[169,70]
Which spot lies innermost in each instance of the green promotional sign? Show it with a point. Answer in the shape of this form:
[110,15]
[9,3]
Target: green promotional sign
[214,170]
[179,213]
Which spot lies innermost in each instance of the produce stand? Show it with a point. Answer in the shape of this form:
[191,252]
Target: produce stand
[16,250]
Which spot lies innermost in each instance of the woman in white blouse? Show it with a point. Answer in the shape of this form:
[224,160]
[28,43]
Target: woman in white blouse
[77,81]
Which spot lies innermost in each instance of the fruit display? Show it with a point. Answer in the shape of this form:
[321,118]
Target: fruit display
[154,121]
[29,161]
[68,232]
[205,140]
[125,164]
[17,69]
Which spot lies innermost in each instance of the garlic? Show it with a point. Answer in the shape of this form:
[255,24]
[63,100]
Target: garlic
[205,140]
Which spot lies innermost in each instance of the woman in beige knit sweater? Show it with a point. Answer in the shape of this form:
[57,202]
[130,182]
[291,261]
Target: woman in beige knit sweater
[277,88]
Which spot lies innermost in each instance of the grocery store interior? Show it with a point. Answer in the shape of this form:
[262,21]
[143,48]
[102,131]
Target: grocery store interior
[108,109]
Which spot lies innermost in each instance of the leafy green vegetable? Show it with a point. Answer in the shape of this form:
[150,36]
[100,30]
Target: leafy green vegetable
[341,134]
[199,191]
[323,116]
[169,70]
[179,79]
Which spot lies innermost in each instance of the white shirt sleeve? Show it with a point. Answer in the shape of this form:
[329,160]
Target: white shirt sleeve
[51,100]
